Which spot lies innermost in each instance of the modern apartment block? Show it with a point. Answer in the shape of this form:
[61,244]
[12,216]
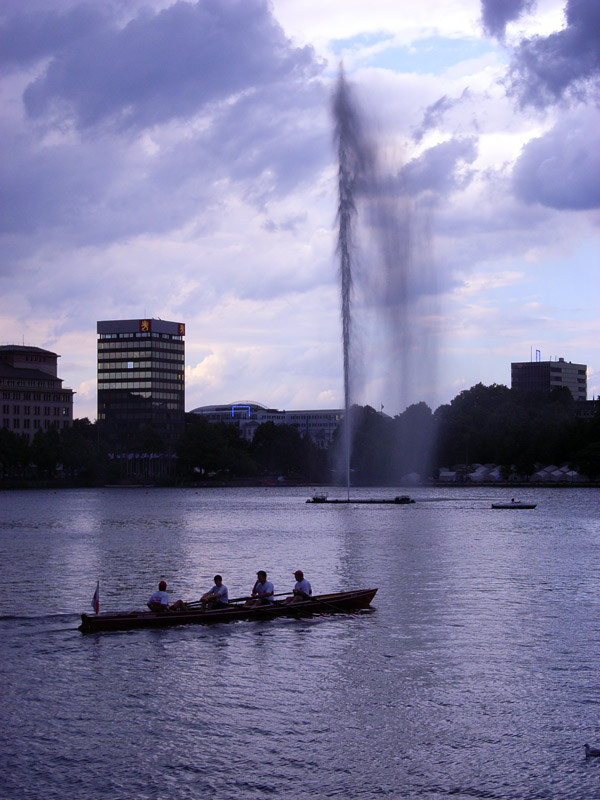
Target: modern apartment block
[141,388]
[543,376]
[247,416]
[33,397]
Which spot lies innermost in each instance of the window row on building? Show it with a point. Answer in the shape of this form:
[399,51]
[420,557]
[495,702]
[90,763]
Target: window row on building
[55,397]
[36,411]
[171,375]
[130,360]
[111,341]
[164,355]
[146,385]
[28,425]
[29,384]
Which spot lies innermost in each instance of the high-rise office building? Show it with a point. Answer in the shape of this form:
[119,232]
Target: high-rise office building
[33,397]
[543,376]
[141,389]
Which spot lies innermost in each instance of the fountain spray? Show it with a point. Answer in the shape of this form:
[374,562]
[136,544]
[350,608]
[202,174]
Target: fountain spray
[351,163]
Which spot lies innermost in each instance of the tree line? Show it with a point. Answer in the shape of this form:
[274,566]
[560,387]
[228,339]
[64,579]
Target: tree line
[484,424]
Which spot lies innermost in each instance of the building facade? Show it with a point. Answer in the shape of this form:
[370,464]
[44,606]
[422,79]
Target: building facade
[141,385]
[31,392]
[544,376]
[320,425]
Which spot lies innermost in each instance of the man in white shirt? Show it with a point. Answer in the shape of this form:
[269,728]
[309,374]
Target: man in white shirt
[263,591]
[159,601]
[302,588]
[217,597]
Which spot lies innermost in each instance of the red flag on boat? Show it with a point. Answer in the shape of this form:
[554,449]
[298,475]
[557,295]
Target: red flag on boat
[96,598]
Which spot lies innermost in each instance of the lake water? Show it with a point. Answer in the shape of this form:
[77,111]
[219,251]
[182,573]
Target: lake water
[477,676]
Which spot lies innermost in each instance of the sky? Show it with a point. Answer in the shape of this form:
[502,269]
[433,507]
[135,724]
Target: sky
[177,160]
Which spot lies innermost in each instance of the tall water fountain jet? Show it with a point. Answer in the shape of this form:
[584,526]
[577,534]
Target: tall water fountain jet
[353,160]
[383,210]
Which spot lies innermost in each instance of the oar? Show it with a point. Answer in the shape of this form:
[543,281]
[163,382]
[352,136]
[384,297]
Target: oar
[194,603]
[287,606]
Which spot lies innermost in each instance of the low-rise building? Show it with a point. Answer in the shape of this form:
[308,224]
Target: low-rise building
[32,394]
[318,424]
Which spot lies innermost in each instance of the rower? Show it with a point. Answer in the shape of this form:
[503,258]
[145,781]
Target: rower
[159,601]
[302,589]
[217,597]
[263,591]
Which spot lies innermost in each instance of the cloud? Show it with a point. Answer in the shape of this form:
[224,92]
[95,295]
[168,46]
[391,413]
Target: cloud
[434,114]
[29,34]
[174,158]
[289,223]
[561,169]
[440,169]
[497,13]
[146,125]
[545,69]
[163,66]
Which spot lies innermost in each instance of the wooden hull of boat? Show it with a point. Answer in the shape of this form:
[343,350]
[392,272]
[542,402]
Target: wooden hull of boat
[341,602]
[519,506]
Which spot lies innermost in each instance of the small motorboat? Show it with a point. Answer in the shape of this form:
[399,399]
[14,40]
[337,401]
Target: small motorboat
[514,504]
[318,497]
[337,603]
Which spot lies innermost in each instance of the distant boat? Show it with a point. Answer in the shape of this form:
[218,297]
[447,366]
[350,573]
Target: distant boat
[128,485]
[321,497]
[514,504]
[318,497]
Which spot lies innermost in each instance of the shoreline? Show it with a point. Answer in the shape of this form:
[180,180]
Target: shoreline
[20,485]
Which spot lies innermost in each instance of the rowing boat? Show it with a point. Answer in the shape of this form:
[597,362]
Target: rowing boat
[340,602]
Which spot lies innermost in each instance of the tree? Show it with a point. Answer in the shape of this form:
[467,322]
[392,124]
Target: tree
[279,449]
[14,453]
[414,439]
[212,448]
[46,451]
[79,447]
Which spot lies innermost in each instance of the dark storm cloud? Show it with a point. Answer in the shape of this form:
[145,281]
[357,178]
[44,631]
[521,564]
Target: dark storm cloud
[105,188]
[32,33]
[166,65]
[496,14]
[229,60]
[545,69]
[436,170]
[561,170]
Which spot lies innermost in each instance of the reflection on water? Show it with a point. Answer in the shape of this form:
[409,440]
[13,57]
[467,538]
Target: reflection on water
[476,677]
